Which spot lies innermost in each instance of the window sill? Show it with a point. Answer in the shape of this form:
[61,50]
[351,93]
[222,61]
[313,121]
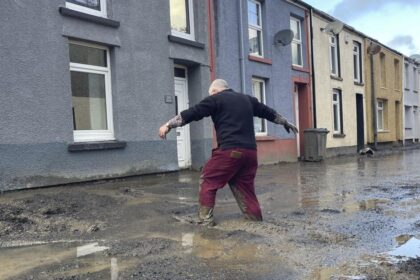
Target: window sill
[300,68]
[406,89]
[339,135]
[359,84]
[264,138]
[260,59]
[87,17]
[95,146]
[336,78]
[183,41]
[415,91]
[383,131]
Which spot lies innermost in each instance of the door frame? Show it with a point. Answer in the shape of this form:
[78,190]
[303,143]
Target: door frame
[360,124]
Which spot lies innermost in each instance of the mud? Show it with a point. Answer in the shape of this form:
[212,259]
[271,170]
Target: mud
[346,218]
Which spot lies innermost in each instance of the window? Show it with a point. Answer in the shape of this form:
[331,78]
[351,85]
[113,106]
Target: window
[415,80]
[408,117]
[337,112]
[255,28]
[357,62]
[182,18]
[406,76]
[295,25]
[93,7]
[383,70]
[380,108]
[334,56]
[397,74]
[258,90]
[91,92]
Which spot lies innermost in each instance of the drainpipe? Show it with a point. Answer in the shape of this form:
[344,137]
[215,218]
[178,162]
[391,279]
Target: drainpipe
[313,68]
[241,47]
[210,26]
[374,109]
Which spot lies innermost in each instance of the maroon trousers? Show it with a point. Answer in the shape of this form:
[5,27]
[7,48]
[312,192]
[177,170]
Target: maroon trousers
[236,167]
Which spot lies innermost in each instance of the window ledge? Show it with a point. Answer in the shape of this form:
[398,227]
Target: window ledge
[300,68]
[415,91]
[383,131]
[408,128]
[336,78]
[339,135]
[260,59]
[183,41]
[265,138]
[95,146]
[87,17]
[359,84]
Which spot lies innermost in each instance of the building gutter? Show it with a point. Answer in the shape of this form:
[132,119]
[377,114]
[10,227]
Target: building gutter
[241,47]
[211,47]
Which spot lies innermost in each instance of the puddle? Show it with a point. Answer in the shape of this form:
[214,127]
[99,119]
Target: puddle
[364,205]
[409,249]
[58,259]
[329,273]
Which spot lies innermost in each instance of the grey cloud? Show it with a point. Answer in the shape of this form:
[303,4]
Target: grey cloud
[403,40]
[350,9]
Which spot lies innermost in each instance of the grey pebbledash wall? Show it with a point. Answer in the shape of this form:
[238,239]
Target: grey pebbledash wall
[36,125]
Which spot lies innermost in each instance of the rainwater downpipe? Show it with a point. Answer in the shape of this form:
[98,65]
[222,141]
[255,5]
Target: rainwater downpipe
[313,68]
[374,109]
[241,47]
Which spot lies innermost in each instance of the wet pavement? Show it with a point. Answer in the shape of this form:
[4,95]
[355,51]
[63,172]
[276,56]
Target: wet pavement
[345,218]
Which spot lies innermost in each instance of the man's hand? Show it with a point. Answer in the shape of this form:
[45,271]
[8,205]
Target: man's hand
[288,126]
[163,130]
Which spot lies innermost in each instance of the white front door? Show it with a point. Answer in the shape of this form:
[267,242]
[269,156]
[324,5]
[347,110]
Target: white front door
[183,133]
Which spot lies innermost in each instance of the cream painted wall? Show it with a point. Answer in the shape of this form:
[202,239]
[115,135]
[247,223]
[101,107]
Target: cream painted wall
[324,84]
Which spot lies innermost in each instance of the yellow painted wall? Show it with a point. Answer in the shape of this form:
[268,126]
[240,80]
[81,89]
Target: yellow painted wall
[391,93]
[324,84]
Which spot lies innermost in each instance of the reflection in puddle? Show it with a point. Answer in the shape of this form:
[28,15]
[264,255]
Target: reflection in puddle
[329,273]
[89,249]
[365,205]
[410,249]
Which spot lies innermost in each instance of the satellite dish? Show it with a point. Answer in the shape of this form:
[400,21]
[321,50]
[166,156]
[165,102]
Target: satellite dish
[416,57]
[333,28]
[283,37]
[373,48]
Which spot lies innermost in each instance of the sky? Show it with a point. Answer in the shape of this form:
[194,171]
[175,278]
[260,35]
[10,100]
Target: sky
[394,23]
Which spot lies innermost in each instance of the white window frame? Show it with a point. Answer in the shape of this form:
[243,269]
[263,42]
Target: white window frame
[406,76]
[380,108]
[96,135]
[297,41]
[357,68]
[338,105]
[86,10]
[264,122]
[258,28]
[191,35]
[335,46]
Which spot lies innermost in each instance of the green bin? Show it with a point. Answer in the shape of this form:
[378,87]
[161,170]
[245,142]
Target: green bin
[315,144]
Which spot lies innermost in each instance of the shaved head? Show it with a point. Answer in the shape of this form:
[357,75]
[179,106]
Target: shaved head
[217,86]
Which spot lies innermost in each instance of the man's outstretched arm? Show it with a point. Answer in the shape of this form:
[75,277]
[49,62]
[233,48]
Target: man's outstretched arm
[263,111]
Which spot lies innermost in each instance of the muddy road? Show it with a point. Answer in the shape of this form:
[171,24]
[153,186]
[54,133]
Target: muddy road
[345,218]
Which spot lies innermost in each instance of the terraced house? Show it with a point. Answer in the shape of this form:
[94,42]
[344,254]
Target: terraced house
[248,57]
[384,103]
[411,87]
[88,83]
[339,90]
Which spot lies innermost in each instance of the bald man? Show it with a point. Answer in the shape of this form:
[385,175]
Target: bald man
[234,162]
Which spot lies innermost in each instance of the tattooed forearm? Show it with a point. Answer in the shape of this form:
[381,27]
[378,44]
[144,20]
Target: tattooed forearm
[280,119]
[176,122]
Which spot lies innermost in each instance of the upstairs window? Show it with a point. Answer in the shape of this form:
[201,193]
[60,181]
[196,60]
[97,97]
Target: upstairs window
[357,62]
[334,64]
[397,70]
[255,29]
[415,80]
[383,70]
[182,18]
[406,76]
[295,26]
[258,91]
[93,7]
